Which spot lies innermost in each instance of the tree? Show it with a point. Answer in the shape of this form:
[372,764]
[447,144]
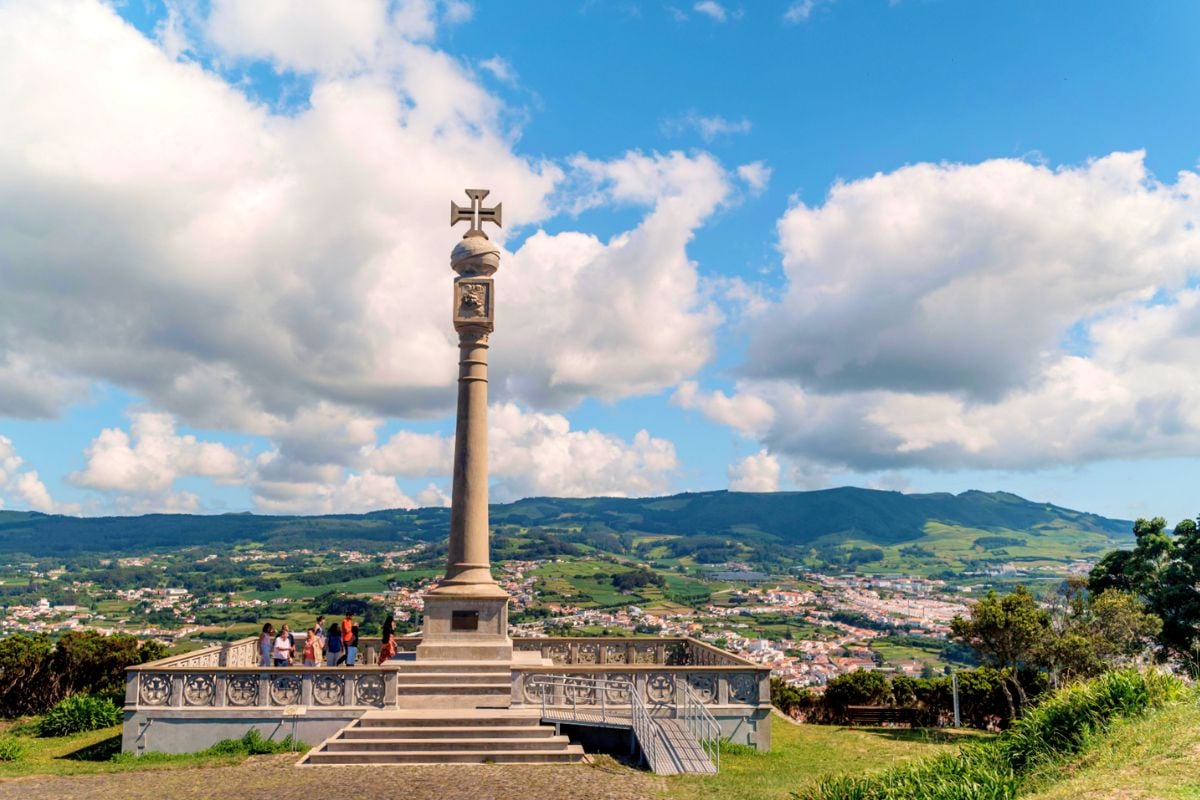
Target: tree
[1162,570]
[790,699]
[1006,632]
[36,673]
[24,673]
[858,688]
[1096,632]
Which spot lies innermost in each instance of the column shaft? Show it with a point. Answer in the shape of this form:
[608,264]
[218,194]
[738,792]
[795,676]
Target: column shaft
[468,561]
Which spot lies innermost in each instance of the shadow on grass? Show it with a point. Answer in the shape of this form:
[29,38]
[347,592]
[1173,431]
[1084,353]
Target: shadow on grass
[103,750]
[931,735]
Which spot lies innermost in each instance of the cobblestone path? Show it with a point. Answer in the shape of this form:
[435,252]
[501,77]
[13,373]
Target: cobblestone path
[275,778]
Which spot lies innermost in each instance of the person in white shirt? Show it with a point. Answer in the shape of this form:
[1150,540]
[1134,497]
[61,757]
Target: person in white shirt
[283,648]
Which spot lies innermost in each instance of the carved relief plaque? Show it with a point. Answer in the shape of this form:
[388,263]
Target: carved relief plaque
[473,302]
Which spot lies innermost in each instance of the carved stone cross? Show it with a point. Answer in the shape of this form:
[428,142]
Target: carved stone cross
[476,214]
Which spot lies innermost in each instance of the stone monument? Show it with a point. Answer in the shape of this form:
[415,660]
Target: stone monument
[466,617]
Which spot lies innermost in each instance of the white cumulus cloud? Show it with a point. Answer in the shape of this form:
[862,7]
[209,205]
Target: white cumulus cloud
[1000,315]
[712,10]
[285,274]
[22,485]
[743,411]
[709,127]
[327,36]
[965,278]
[755,473]
[140,467]
[533,453]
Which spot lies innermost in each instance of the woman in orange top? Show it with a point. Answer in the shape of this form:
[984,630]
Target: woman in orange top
[387,648]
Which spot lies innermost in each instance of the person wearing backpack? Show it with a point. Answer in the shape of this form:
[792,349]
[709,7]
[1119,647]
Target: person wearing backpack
[334,650]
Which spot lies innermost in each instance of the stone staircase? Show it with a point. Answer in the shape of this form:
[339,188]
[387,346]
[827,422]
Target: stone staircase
[453,684]
[464,736]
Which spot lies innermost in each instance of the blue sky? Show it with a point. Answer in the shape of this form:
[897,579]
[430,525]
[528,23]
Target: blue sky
[920,245]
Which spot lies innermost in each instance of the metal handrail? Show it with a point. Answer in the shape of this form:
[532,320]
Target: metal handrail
[647,734]
[702,725]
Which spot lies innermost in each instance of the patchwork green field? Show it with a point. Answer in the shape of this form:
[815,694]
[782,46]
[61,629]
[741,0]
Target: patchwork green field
[588,583]
[955,549]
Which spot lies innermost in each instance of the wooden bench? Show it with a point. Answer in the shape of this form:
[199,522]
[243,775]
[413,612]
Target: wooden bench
[874,716]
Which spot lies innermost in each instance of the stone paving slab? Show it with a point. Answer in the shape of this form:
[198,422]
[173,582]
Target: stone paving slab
[277,778]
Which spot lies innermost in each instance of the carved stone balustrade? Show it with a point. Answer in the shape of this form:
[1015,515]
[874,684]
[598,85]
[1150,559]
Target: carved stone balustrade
[193,687]
[633,651]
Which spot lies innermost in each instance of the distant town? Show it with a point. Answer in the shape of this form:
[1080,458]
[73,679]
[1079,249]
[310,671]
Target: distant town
[808,626]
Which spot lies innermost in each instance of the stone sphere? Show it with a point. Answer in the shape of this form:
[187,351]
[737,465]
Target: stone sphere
[475,255]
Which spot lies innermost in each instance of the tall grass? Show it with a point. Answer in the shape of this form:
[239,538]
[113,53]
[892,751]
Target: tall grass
[1059,727]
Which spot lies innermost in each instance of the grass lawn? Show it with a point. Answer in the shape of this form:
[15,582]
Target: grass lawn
[89,753]
[803,753]
[893,652]
[1155,758]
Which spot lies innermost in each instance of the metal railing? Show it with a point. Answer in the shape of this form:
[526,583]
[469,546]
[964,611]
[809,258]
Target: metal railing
[701,724]
[595,701]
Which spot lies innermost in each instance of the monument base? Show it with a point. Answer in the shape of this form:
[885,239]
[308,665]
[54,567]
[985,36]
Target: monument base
[465,628]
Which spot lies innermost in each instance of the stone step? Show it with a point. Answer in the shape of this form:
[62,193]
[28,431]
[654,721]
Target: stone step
[468,716]
[447,699]
[453,678]
[568,755]
[440,745]
[452,666]
[455,731]
[428,686]
[498,718]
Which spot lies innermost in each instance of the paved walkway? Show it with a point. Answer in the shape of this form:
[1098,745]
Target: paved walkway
[275,778]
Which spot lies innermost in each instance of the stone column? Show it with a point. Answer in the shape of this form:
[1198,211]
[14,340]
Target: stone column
[466,617]
[468,567]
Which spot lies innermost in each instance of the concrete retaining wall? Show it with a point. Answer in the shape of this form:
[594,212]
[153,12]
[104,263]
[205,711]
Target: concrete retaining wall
[179,731]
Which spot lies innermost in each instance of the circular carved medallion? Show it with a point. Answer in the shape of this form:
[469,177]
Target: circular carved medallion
[285,690]
[660,688]
[199,690]
[155,690]
[619,688]
[369,690]
[704,686]
[328,689]
[743,689]
[242,690]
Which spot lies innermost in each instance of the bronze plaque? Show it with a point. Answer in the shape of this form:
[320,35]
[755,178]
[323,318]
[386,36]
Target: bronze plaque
[464,620]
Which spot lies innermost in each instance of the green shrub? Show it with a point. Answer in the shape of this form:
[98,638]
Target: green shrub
[734,749]
[1061,726]
[254,744]
[79,713]
[11,749]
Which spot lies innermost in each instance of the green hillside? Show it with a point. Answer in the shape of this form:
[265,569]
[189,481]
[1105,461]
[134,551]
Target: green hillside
[845,528]
[801,517]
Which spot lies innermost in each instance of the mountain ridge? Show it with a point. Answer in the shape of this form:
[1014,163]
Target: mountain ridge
[802,518]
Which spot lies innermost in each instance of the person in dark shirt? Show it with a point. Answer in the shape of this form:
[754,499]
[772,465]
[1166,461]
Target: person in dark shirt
[352,646]
[335,653]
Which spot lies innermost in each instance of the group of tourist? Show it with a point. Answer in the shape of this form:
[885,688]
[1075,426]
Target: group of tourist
[334,648]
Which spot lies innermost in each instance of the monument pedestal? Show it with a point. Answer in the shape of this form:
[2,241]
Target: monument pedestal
[466,627]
